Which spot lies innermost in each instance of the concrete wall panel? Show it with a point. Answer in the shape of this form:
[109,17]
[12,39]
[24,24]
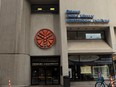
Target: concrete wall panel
[7,26]
[14,26]
[98,8]
[14,42]
[40,21]
[112,12]
[23,27]
[16,68]
[104,9]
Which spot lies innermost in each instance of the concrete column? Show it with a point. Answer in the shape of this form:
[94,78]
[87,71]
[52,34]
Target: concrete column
[23,27]
[16,68]
[112,13]
[14,26]
[112,36]
[63,31]
[14,42]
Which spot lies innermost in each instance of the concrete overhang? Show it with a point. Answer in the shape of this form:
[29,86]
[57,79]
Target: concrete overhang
[89,46]
[44,1]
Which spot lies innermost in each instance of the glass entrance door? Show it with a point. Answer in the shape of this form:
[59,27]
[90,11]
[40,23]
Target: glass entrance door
[49,77]
[41,75]
[45,73]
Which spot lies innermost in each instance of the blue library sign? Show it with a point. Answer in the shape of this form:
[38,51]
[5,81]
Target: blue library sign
[74,16]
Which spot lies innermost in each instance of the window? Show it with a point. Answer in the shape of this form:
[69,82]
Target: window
[104,70]
[93,36]
[44,8]
[85,35]
[88,67]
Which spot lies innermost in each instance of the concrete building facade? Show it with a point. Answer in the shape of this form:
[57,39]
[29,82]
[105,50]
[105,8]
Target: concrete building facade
[84,46]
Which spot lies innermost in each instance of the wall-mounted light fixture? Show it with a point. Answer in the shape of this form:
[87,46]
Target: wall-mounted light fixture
[39,9]
[52,9]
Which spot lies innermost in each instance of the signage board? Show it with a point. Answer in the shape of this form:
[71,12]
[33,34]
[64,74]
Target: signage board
[74,16]
[85,69]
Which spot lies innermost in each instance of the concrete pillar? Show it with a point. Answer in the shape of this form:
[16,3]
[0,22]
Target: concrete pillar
[64,50]
[15,67]
[112,36]
[14,42]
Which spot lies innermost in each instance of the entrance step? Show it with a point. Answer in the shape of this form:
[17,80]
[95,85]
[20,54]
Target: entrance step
[83,84]
[32,86]
[47,86]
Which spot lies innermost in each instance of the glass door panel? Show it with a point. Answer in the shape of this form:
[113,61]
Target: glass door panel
[41,75]
[45,71]
[35,76]
[49,77]
[55,75]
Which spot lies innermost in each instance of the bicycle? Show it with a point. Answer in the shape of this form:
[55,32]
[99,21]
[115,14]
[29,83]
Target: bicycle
[101,83]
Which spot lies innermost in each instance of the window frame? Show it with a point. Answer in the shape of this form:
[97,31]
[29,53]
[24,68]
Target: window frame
[102,32]
[45,8]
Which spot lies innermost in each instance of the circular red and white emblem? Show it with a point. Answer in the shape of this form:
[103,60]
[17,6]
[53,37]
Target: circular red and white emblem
[45,38]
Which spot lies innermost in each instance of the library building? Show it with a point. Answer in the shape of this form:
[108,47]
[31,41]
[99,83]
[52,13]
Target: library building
[46,42]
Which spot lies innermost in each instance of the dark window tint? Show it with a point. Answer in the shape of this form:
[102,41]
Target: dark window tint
[44,8]
[45,70]
[81,35]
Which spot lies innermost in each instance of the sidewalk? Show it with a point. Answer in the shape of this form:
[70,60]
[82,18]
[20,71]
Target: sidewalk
[72,84]
[83,84]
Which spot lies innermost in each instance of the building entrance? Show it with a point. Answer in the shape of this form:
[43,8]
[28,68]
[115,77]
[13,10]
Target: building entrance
[45,71]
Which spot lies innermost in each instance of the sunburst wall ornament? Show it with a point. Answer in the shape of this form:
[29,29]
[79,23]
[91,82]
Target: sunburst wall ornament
[45,38]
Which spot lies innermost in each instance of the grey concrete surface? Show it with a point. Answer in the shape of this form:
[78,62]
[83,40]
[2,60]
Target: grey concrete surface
[72,84]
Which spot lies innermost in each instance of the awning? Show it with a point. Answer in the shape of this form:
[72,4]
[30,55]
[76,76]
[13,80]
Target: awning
[88,46]
[90,59]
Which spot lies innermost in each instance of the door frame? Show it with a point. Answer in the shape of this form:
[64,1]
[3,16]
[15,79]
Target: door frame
[41,57]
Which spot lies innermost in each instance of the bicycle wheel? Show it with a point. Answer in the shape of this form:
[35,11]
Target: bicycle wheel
[99,84]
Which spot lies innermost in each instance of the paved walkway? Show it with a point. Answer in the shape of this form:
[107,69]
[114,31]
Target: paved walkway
[47,86]
[83,84]
[72,84]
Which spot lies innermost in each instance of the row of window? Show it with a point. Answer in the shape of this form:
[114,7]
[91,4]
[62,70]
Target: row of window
[44,8]
[83,35]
